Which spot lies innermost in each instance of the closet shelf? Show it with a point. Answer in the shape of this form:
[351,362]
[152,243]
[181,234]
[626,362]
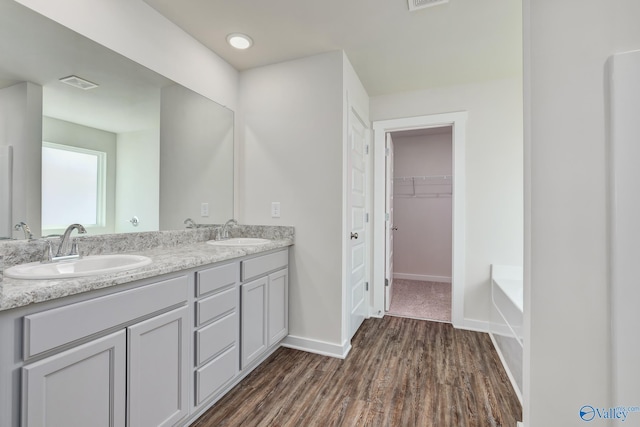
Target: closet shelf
[423,186]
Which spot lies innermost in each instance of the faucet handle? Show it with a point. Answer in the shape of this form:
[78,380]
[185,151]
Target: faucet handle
[74,247]
[48,251]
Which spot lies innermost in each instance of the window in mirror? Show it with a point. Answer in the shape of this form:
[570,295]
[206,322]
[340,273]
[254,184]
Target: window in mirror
[73,186]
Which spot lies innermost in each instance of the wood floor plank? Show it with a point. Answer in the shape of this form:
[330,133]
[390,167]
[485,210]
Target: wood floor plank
[400,372]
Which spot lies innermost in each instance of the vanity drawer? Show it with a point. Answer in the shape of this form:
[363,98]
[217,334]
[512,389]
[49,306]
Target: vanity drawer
[262,265]
[214,338]
[216,278]
[216,305]
[215,374]
[53,328]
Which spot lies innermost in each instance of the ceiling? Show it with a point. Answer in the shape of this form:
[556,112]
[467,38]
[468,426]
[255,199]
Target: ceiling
[38,50]
[392,50]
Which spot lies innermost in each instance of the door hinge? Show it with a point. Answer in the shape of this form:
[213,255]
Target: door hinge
[366,217]
[386,282]
[366,286]
[386,216]
[366,149]
[386,151]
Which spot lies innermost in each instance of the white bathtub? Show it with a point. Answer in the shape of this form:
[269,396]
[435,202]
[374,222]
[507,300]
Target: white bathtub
[506,320]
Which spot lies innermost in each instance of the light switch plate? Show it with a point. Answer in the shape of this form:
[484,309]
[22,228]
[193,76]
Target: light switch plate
[204,209]
[275,209]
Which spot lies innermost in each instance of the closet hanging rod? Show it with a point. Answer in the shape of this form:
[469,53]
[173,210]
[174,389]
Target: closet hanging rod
[424,178]
[423,196]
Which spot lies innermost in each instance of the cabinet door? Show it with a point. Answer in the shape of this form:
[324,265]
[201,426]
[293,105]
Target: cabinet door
[159,370]
[84,386]
[278,308]
[254,320]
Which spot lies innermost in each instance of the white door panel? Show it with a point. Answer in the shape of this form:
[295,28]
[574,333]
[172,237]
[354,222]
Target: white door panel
[357,238]
[388,274]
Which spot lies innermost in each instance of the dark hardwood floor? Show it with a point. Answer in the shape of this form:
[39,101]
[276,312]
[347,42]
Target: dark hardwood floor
[400,372]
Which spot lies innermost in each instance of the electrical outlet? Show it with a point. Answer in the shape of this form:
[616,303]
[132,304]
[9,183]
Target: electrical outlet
[275,209]
[204,209]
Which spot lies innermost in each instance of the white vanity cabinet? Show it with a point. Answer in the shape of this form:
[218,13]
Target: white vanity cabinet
[135,373]
[158,386]
[216,334]
[154,352]
[84,386]
[264,299]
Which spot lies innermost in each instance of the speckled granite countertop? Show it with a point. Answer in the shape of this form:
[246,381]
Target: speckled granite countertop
[17,293]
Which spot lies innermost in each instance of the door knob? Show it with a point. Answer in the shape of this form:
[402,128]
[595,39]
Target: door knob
[354,235]
[394,228]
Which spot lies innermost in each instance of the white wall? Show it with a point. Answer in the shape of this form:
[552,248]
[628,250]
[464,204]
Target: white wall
[291,146]
[293,128]
[135,30]
[75,135]
[422,243]
[494,174]
[21,127]
[137,181]
[196,152]
[566,291]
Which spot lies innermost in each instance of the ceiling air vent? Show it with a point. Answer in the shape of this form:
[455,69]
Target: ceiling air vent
[421,4]
[78,82]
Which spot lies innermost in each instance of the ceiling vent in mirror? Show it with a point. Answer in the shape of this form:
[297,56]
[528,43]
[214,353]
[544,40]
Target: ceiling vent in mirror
[421,4]
[78,82]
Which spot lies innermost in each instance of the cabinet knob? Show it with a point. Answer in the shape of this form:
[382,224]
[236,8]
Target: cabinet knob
[354,235]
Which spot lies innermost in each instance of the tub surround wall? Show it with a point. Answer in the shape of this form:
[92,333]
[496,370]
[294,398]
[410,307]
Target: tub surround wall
[507,319]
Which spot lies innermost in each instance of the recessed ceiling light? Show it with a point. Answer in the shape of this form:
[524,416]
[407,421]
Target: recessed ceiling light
[78,82]
[239,41]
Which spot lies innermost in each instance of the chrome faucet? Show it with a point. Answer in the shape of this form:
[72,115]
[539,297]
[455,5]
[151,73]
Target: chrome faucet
[25,229]
[190,223]
[63,252]
[225,228]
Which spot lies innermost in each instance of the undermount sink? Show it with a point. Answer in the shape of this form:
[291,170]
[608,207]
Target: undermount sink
[86,266]
[240,241]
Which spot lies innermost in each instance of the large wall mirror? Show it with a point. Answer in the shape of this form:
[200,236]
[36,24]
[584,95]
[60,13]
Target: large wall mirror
[137,152]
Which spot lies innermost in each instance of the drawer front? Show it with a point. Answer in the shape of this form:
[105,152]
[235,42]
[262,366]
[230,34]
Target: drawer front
[216,278]
[216,306]
[215,374]
[214,338]
[261,265]
[53,328]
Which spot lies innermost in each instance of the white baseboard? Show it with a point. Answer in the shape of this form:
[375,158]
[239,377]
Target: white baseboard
[520,424]
[422,277]
[474,325]
[318,347]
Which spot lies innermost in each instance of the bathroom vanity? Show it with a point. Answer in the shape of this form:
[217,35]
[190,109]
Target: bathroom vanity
[156,346]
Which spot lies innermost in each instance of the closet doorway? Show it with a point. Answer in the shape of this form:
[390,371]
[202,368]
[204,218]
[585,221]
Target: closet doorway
[419,201]
[382,278]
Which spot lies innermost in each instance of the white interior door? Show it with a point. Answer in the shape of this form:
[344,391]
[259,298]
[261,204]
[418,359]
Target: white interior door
[390,228]
[356,222]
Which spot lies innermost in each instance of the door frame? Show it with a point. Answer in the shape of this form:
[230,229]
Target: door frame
[458,121]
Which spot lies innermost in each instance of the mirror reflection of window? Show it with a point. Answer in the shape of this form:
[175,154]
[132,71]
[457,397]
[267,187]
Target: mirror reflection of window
[73,186]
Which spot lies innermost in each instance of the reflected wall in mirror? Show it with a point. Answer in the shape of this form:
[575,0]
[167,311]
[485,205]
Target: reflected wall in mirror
[167,151]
